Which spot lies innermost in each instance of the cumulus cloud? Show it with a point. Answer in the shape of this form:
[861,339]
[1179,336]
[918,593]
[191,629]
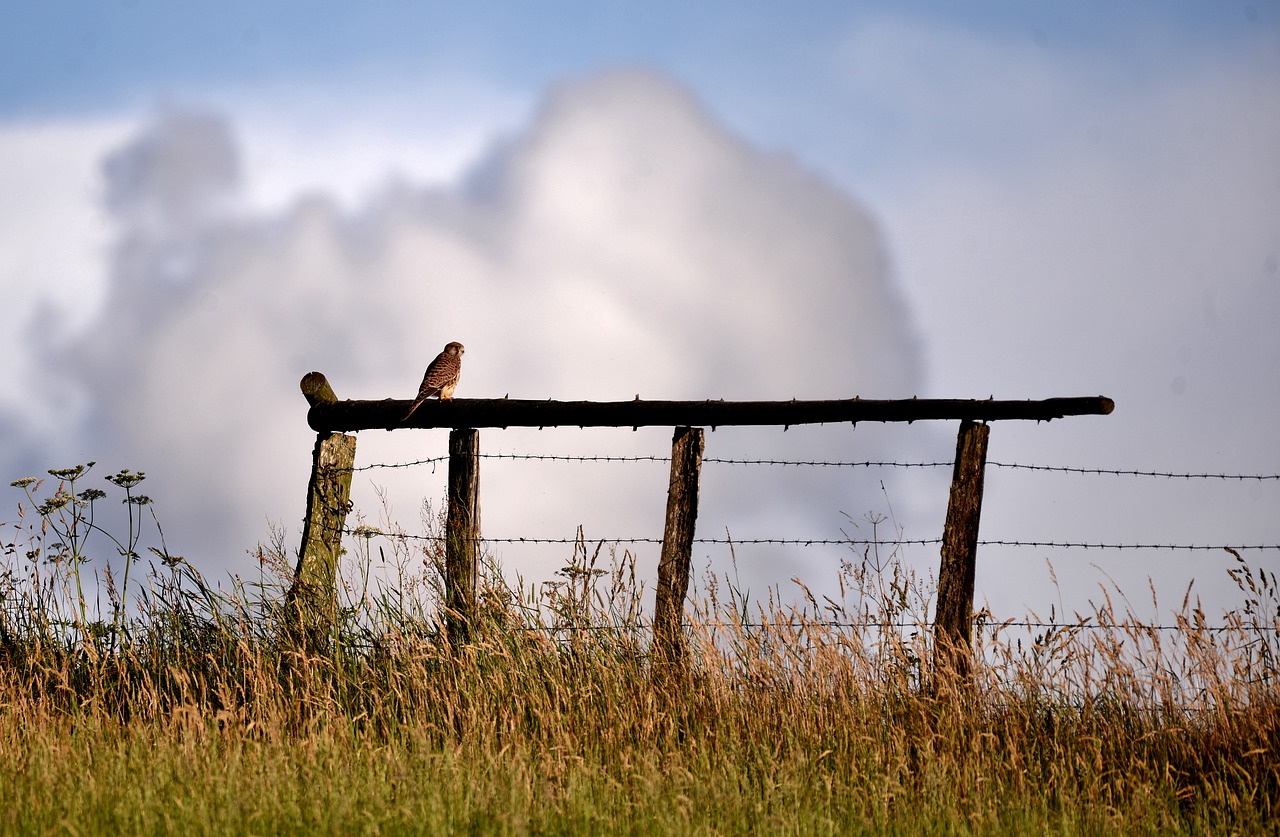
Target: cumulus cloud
[1060,223]
[623,243]
[173,180]
[51,242]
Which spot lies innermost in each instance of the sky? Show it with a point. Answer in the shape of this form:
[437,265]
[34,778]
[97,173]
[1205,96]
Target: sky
[200,203]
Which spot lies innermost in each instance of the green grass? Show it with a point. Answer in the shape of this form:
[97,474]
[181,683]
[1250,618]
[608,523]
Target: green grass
[182,708]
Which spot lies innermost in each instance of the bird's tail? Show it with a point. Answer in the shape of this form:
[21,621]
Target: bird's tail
[416,405]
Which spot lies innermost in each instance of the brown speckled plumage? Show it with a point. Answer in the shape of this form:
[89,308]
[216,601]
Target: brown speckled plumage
[441,378]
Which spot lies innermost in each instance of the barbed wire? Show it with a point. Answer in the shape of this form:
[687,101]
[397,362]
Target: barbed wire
[885,463]
[816,463]
[1132,473]
[628,630]
[983,624]
[557,457]
[433,461]
[369,532]
[824,463]
[845,541]
[991,627]
[1118,546]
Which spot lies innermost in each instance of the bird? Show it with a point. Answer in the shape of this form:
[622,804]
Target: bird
[441,378]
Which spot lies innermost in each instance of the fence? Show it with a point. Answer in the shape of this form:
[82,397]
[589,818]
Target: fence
[312,597]
[983,620]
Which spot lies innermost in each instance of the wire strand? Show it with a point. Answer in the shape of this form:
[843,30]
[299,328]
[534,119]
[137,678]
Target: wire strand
[371,532]
[824,463]
[433,461]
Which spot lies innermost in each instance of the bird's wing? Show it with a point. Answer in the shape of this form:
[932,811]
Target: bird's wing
[439,372]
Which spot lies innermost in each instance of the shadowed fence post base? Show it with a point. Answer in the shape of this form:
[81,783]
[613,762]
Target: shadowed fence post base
[677,548]
[462,533]
[311,603]
[953,620]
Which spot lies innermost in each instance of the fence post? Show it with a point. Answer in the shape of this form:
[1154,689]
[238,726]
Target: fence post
[953,620]
[677,545]
[462,532]
[311,603]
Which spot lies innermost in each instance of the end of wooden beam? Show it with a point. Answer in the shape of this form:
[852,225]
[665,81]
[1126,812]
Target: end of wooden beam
[315,387]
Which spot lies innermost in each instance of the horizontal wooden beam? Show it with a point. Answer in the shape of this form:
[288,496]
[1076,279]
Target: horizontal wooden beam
[388,414]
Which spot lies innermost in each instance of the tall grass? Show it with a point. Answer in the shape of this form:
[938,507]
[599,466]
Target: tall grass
[178,705]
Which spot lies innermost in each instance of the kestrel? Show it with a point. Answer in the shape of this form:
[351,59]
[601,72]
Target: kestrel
[441,378]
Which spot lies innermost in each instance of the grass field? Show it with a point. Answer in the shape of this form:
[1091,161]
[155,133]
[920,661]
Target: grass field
[179,707]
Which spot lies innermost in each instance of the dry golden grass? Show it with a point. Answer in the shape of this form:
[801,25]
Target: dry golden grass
[186,709]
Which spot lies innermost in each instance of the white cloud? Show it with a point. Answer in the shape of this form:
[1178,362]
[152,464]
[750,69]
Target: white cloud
[52,241]
[623,244]
[1062,223]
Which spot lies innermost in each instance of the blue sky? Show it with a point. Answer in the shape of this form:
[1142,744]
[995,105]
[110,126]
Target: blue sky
[72,57]
[1043,199]
[771,70]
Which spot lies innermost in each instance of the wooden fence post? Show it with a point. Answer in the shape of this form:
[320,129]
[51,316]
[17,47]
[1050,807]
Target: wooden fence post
[312,597]
[953,619]
[311,603]
[462,532]
[677,546]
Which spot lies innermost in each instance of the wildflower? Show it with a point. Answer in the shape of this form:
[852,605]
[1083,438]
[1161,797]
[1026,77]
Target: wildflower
[57,501]
[127,479]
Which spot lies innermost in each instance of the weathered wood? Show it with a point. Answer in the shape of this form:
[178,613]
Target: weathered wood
[953,619]
[315,386]
[462,532]
[677,545]
[953,627]
[503,412]
[312,600]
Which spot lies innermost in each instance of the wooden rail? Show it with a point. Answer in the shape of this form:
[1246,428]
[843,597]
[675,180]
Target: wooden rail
[312,594]
[388,414]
